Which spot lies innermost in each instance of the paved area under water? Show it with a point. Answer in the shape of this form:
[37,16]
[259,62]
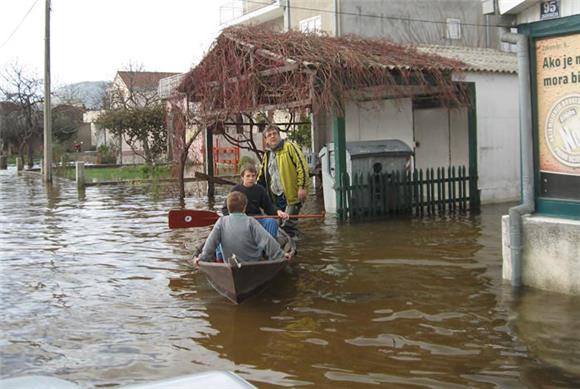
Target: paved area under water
[97,290]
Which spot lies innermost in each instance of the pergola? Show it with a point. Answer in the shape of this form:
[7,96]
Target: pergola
[250,69]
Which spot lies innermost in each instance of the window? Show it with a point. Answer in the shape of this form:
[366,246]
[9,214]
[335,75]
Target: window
[453,28]
[313,24]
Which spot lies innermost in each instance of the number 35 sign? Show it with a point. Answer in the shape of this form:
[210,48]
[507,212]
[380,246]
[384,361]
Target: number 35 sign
[549,9]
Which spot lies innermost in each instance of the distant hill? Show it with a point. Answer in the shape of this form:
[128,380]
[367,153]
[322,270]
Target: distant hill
[88,93]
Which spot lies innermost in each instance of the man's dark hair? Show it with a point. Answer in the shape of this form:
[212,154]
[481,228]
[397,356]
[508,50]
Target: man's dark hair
[236,202]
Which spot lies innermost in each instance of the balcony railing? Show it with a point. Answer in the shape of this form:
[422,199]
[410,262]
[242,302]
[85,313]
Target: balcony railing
[232,10]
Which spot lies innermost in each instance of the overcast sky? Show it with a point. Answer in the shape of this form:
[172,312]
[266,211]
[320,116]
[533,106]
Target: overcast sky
[91,40]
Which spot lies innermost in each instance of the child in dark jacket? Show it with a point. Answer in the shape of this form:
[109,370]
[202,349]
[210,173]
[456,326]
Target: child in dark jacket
[258,200]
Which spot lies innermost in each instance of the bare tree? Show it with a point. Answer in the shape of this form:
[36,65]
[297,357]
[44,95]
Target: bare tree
[25,91]
[68,95]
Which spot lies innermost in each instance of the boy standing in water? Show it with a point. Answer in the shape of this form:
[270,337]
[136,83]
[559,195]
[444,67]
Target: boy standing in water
[284,175]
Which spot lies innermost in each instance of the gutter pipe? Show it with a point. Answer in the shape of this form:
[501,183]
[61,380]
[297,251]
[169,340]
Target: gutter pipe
[526,150]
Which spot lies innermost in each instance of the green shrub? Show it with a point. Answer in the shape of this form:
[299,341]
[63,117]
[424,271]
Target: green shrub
[106,154]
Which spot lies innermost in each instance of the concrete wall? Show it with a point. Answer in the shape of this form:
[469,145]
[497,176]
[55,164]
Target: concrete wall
[389,21]
[380,119]
[550,254]
[275,24]
[497,136]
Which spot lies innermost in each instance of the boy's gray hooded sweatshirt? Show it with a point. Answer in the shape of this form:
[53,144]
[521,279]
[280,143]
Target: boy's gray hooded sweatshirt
[243,236]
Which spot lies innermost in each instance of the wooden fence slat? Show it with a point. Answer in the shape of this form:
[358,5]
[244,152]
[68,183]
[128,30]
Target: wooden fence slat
[432,185]
[396,190]
[464,184]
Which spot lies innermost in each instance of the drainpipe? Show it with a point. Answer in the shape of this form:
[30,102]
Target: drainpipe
[527,165]
[287,23]
[336,19]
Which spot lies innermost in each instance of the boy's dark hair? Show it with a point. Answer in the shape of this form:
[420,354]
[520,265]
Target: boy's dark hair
[248,167]
[236,202]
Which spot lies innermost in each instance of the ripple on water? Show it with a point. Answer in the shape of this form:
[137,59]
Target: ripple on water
[96,289]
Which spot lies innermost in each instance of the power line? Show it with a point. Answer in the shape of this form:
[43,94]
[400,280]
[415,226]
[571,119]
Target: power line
[19,24]
[387,17]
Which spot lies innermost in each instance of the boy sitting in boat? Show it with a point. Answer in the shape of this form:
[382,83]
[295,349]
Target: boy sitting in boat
[258,200]
[240,236]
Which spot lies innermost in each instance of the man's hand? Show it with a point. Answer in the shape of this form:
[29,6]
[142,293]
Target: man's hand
[282,215]
[302,193]
[196,261]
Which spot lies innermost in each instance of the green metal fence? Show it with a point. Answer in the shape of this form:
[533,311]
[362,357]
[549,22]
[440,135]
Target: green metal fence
[421,192]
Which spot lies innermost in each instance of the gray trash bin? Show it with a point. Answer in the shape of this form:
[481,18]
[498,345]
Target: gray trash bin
[363,157]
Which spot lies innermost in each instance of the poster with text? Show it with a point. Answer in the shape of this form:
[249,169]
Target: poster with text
[558,81]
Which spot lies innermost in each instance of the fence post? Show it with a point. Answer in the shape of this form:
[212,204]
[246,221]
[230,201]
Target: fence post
[439,185]
[3,162]
[473,191]
[420,199]
[80,174]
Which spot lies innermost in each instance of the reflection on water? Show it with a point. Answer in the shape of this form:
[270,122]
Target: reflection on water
[96,289]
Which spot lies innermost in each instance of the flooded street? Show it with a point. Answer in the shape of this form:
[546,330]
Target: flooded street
[97,290]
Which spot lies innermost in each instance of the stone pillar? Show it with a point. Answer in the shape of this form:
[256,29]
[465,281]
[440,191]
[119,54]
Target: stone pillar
[19,164]
[80,174]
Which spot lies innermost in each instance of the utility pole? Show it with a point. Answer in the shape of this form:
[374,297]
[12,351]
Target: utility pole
[47,161]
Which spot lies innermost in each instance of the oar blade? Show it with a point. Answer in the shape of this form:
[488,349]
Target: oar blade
[187,218]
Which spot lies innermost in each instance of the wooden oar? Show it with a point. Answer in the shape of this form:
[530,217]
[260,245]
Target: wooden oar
[186,218]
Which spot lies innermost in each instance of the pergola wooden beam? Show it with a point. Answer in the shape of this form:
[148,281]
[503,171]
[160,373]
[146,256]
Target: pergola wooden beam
[383,92]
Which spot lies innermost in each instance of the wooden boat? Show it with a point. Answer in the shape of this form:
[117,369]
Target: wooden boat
[237,281]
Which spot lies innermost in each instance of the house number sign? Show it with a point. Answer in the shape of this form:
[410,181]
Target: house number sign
[549,9]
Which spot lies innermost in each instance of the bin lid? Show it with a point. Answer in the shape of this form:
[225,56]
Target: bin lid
[376,148]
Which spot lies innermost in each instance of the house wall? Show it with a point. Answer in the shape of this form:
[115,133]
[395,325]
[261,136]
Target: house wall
[550,253]
[84,135]
[498,148]
[391,21]
[275,24]
[304,9]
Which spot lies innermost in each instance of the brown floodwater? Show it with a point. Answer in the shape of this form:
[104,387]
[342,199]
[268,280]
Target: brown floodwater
[97,290]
